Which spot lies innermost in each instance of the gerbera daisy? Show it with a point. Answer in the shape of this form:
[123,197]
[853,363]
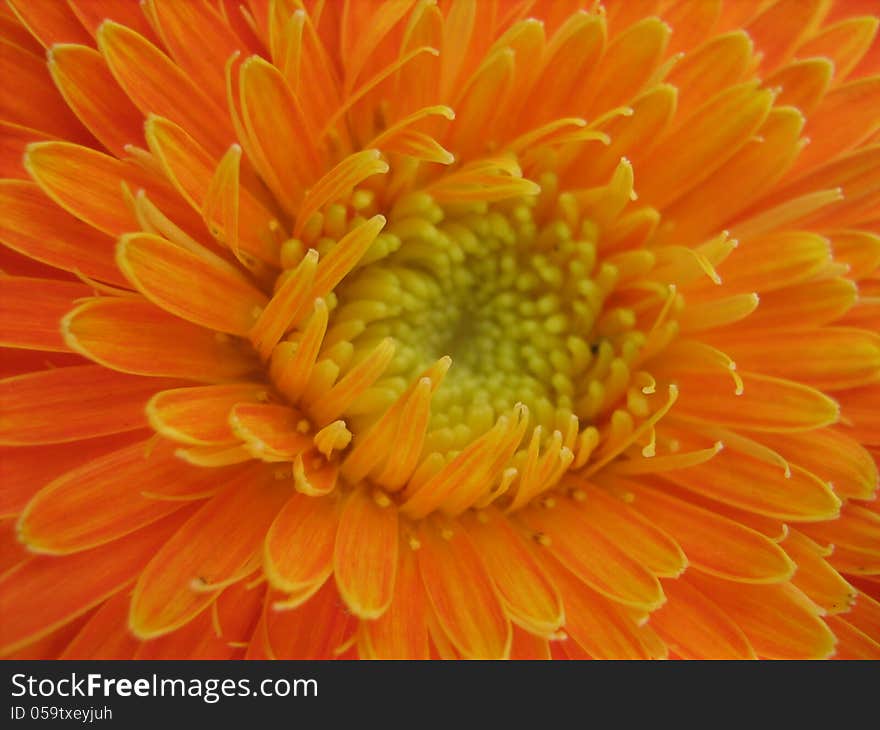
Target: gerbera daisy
[454,328]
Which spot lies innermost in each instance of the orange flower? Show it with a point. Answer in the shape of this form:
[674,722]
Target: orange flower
[459,329]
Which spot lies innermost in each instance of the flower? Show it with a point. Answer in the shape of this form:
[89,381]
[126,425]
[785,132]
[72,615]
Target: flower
[440,329]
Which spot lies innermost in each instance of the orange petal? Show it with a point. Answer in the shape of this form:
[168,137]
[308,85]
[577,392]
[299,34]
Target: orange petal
[713,543]
[31,311]
[461,594]
[852,643]
[439,645]
[46,592]
[778,620]
[572,651]
[844,43]
[780,28]
[596,624]
[87,86]
[632,136]
[303,56]
[821,583]
[24,470]
[334,402]
[830,358]
[857,528]
[92,13]
[338,183]
[358,47]
[203,61]
[622,16]
[865,615]
[806,305]
[766,404]
[856,175]
[95,402]
[865,314]
[297,598]
[831,455]
[698,147]
[131,335]
[695,627]
[527,593]
[568,57]
[315,630]
[279,140]
[103,490]
[29,98]
[528,646]
[290,367]
[313,475]
[691,22]
[50,23]
[271,432]
[185,576]
[214,456]
[298,551]
[803,83]
[860,410]
[13,552]
[365,554]
[33,225]
[591,555]
[52,644]
[654,548]
[754,485]
[854,562]
[106,634]
[196,640]
[191,169]
[401,632]
[345,254]
[200,416]
[13,263]
[286,307]
[202,289]
[410,438]
[770,527]
[716,313]
[60,168]
[797,257]
[627,64]
[740,181]
[716,64]
[14,139]
[216,634]
[845,118]
[860,250]
[157,86]
[12,30]
[466,478]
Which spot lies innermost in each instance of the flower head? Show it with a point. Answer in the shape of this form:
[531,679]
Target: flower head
[452,329]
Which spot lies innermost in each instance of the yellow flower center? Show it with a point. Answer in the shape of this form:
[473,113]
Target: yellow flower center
[485,335]
[512,296]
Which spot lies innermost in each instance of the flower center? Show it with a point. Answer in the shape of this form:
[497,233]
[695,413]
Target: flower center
[512,291]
